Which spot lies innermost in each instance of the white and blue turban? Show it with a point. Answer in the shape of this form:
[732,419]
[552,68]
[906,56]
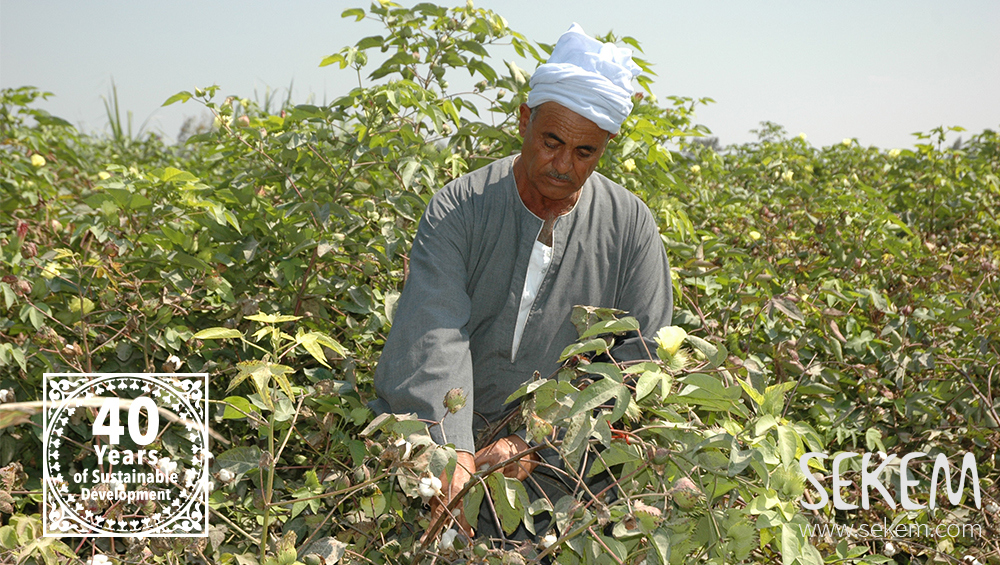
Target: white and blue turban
[591,78]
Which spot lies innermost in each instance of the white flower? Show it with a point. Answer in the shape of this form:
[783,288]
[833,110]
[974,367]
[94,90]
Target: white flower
[847,142]
[670,338]
[696,169]
[629,165]
[548,541]
[889,550]
[166,466]
[893,153]
[226,475]
[992,508]
[802,136]
[754,235]
[787,176]
[99,559]
[448,539]
[429,486]
[37,160]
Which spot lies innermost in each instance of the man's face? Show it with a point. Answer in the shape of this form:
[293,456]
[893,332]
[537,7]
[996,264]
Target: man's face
[561,149]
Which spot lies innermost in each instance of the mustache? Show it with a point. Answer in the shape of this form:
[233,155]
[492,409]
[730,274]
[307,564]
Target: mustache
[558,176]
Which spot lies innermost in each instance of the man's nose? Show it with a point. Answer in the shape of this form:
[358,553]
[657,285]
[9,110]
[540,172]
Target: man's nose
[562,162]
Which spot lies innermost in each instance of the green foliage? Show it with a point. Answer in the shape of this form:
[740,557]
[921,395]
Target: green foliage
[832,299]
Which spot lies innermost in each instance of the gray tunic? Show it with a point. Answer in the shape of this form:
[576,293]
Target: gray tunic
[454,324]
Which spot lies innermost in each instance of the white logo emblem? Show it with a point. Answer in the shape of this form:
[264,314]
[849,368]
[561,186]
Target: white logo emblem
[146,477]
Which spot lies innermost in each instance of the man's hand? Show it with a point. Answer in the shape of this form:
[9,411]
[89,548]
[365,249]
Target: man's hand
[502,450]
[464,468]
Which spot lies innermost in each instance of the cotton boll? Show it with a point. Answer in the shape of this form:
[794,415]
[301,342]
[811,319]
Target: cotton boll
[448,539]
[429,487]
[166,466]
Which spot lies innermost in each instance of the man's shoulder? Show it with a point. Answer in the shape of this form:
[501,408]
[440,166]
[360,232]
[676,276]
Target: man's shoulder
[476,190]
[480,180]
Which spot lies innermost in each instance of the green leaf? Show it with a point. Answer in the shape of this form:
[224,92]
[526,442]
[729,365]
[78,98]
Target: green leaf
[9,298]
[509,498]
[357,13]
[648,382]
[660,540]
[8,538]
[716,355]
[598,345]
[607,370]
[708,392]
[873,439]
[333,344]
[575,441]
[370,41]
[239,459]
[238,407]
[787,444]
[596,394]
[473,502]
[170,174]
[622,400]
[611,326]
[310,343]
[407,170]
[261,379]
[10,418]
[788,308]
[272,318]
[219,333]
[754,395]
[181,97]
[80,307]
[280,375]
[617,454]
[338,58]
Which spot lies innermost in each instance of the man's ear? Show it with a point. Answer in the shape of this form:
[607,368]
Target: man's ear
[523,118]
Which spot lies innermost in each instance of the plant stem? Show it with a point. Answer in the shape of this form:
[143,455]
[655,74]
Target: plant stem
[268,488]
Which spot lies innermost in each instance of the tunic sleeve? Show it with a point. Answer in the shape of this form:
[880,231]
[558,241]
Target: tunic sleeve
[646,292]
[427,352]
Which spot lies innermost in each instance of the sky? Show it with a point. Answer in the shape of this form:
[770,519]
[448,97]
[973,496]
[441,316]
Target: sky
[874,71]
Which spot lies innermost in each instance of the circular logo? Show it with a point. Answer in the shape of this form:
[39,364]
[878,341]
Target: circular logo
[125,455]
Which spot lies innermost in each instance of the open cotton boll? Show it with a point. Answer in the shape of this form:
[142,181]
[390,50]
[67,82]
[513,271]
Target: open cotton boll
[448,539]
[429,487]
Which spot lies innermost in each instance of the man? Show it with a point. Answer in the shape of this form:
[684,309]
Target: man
[502,255]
